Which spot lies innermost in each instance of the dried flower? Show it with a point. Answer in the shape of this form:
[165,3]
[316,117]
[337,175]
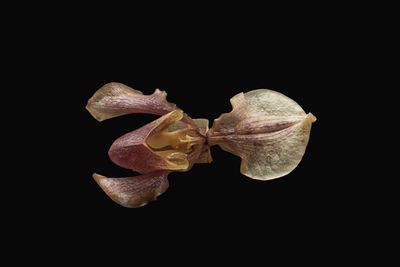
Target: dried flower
[266,129]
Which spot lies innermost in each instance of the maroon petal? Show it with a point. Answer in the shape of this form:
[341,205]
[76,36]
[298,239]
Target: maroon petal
[160,145]
[136,191]
[116,99]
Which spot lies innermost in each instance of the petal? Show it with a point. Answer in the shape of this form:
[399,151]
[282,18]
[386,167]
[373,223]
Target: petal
[136,191]
[202,124]
[132,152]
[164,144]
[116,99]
[268,130]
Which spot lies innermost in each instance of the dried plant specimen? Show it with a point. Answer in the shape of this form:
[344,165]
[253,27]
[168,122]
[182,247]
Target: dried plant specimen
[266,129]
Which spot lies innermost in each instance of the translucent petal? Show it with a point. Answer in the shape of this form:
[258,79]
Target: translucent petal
[116,99]
[136,191]
[268,130]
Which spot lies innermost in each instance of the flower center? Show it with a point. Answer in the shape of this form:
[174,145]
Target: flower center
[173,143]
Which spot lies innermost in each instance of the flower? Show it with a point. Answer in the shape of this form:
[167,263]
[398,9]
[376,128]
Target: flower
[268,130]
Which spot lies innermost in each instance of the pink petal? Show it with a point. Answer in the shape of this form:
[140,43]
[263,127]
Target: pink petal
[136,191]
[116,99]
[132,150]
[268,130]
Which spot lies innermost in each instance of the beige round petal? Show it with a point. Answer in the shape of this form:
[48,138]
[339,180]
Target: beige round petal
[268,130]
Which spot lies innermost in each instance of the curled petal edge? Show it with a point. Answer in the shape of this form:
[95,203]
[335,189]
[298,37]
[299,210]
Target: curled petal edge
[267,129]
[116,99]
[135,191]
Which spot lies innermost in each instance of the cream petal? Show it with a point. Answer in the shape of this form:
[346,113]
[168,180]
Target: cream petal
[116,99]
[136,191]
[268,130]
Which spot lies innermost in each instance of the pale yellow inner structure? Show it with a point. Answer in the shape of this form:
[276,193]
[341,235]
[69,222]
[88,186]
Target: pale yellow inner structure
[173,146]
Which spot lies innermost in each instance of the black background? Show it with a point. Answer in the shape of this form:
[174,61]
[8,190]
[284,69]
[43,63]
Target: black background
[212,209]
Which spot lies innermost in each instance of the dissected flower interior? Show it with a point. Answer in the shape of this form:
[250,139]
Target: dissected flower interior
[175,141]
[266,129]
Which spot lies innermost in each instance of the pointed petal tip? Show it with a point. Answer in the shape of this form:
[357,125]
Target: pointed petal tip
[160,92]
[97,177]
[267,129]
[94,113]
[311,117]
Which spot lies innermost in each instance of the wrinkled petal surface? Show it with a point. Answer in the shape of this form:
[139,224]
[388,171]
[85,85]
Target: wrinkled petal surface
[136,191]
[164,144]
[205,155]
[268,130]
[116,99]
